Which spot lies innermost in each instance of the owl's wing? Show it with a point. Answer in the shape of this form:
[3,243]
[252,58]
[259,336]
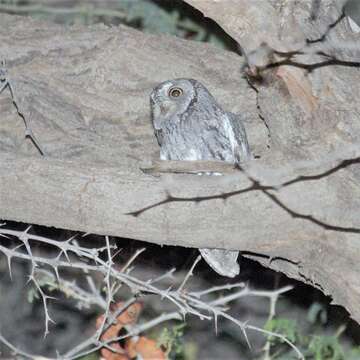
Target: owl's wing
[159,136]
[240,144]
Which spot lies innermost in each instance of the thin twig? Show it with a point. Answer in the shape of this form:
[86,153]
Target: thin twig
[190,273]
[6,83]
[90,260]
[109,294]
[132,259]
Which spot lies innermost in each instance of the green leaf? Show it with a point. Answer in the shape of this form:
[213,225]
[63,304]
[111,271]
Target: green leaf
[326,348]
[285,327]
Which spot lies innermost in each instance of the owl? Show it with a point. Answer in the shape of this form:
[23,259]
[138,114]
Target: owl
[190,125]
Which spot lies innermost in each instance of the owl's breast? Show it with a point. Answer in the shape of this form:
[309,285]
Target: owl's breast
[195,141]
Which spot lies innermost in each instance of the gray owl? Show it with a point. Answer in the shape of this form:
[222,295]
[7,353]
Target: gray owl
[190,125]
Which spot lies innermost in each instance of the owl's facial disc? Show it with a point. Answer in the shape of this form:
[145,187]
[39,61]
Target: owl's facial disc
[170,99]
[163,99]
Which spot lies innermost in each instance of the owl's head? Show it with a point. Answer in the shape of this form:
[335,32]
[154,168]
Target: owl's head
[174,97]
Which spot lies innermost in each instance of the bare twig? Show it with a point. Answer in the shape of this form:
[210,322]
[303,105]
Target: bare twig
[109,287]
[132,259]
[5,82]
[190,273]
[89,260]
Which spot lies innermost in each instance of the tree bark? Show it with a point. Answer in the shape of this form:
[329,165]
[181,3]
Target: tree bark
[85,93]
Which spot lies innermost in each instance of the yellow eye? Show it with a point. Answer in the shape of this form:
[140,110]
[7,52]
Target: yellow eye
[175,92]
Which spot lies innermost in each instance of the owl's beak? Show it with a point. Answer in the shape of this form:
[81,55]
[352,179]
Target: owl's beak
[157,103]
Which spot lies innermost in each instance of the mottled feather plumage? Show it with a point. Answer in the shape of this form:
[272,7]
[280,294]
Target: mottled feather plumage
[190,125]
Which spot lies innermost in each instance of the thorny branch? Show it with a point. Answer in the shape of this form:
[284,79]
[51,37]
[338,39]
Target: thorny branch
[5,82]
[86,261]
[330,51]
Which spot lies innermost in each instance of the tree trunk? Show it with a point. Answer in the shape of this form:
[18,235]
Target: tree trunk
[85,94]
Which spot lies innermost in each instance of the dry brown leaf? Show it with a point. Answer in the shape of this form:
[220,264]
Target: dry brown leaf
[129,316]
[145,347]
[299,88]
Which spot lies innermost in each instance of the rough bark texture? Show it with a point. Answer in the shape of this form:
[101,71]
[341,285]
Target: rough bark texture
[85,92]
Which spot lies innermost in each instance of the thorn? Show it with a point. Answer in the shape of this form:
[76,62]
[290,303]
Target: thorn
[56,273]
[166,292]
[27,229]
[216,323]
[245,334]
[9,265]
[71,238]
[116,253]
[66,255]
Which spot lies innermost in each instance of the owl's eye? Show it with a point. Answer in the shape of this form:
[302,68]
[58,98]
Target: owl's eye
[175,92]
